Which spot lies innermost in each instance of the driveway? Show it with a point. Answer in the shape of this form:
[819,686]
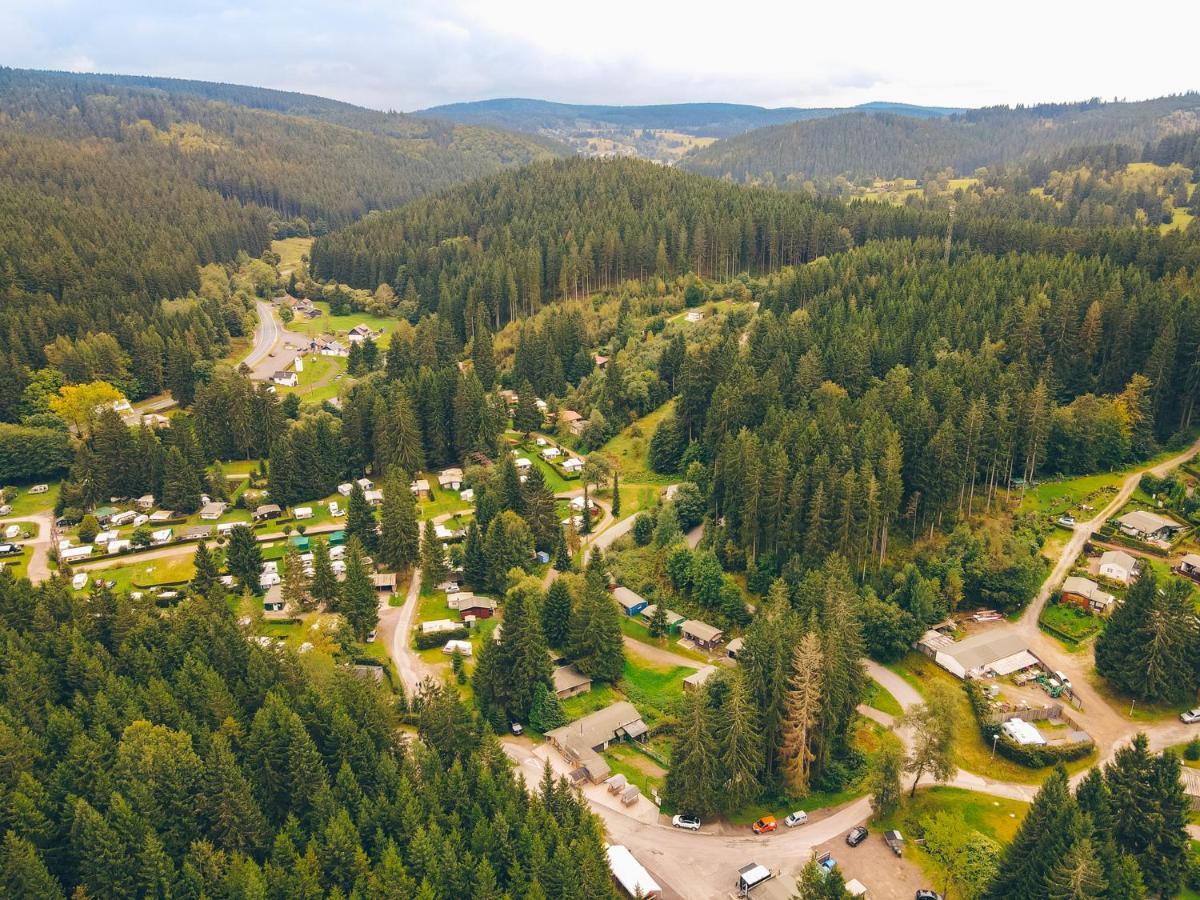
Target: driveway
[395,625]
[38,569]
[270,337]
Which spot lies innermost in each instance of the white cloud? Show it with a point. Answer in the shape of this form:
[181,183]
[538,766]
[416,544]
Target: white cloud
[417,53]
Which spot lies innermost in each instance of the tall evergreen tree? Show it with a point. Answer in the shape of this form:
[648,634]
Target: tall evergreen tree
[181,484]
[399,530]
[482,354]
[556,614]
[527,417]
[433,556]
[295,582]
[475,566]
[324,587]
[358,601]
[524,661]
[693,780]
[360,520]
[801,713]
[616,495]
[739,745]
[206,570]
[243,558]
[597,645]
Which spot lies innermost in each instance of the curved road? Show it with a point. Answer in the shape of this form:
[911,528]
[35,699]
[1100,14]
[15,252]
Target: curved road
[266,335]
[38,569]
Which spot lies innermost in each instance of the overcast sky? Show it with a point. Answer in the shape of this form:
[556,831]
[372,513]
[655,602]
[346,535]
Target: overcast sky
[409,54]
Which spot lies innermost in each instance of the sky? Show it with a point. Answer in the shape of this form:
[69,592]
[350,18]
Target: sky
[411,54]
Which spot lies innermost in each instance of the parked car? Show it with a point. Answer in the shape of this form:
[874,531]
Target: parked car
[5,510]
[799,817]
[765,825]
[1191,717]
[857,835]
[1063,680]
[516,728]
[927,894]
[10,550]
[691,823]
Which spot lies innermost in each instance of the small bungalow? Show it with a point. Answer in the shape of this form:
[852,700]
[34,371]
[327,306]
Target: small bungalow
[693,315]
[385,582]
[273,601]
[358,333]
[582,741]
[144,502]
[375,498]
[197,533]
[458,599]
[119,546]
[162,536]
[70,554]
[267,511]
[1147,526]
[303,512]
[478,608]
[103,514]
[285,379]
[345,489]
[467,494]
[551,453]
[1190,565]
[631,602]
[450,479]
[300,542]
[696,680]
[162,515]
[462,648]
[522,463]
[570,682]
[734,647]
[212,511]
[336,538]
[420,488]
[601,361]
[1118,565]
[573,421]
[701,634]
[1086,594]
[674,620]
[573,465]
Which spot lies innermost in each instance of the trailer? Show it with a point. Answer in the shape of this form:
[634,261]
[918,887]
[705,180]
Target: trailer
[630,874]
[631,795]
[751,876]
[616,784]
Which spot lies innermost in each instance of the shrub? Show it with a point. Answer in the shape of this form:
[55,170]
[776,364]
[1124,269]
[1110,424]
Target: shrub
[1192,751]
[643,529]
[424,641]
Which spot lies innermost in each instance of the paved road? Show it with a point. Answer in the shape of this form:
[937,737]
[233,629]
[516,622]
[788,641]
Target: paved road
[266,335]
[396,623]
[39,560]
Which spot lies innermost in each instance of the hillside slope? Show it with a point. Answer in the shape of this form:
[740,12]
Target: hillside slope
[893,146]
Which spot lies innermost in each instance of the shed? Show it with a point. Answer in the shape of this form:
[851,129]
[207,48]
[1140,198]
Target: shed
[632,603]
[211,511]
[450,479]
[300,542]
[336,538]
[573,464]
[701,633]
[439,625]
[385,581]
[144,502]
[570,682]
[419,487]
[1190,565]
[1118,565]
[303,512]
[267,511]
[1000,652]
[478,608]
[1085,593]
[695,681]
[734,647]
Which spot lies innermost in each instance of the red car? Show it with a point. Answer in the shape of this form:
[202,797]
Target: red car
[765,824]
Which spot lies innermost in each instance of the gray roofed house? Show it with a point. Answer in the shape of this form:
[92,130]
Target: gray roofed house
[268,511]
[701,633]
[196,532]
[696,680]
[570,682]
[1086,593]
[213,510]
[632,602]
[1146,525]
[734,647]
[582,741]
[1002,652]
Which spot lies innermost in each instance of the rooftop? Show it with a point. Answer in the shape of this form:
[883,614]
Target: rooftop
[600,726]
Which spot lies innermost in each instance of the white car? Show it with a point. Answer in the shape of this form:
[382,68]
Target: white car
[1191,717]
[691,823]
[799,817]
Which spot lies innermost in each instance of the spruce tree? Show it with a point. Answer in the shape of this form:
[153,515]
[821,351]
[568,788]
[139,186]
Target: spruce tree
[527,417]
[399,530]
[562,553]
[360,520]
[541,512]
[597,644]
[475,567]
[739,746]
[359,605]
[546,712]
[295,585]
[181,485]
[1078,875]
[556,614]
[658,621]
[524,660]
[324,587]
[801,713]
[482,355]
[243,558]
[616,495]
[206,570]
[693,781]
[433,557]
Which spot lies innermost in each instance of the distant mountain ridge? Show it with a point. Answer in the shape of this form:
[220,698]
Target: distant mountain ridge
[700,119]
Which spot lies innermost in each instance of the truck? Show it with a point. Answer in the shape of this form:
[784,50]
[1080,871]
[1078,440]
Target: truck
[751,876]
[630,874]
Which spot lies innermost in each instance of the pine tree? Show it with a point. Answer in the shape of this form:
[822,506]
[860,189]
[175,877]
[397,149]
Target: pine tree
[546,712]
[1078,876]
[359,604]
[692,782]
[524,660]
[232,818]
[658,621]
[562,553]
[616,495]
[295,589]
[541,512]
[181,485]
[527,417]
[324,587]
[23,873]
[244,558]
[556,614]
[399,530]
[1050,829]
[475,567]
[597,645]
[433,557]
[482,355]
[206,571]
[740,747]
[801,713]
[360,520]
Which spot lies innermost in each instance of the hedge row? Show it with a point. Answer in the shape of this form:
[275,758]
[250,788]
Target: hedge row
[427,641]
[1033,756]
[1116,537]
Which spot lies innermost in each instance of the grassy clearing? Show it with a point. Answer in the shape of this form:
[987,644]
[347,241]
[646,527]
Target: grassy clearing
[1064,495]
[26,504]
[654,690]
[637,768]
[630,448]
[1070,624]
[290,250]
[1139,711]
[327,323]
[634,627]
[878,697]
[598,697]
[971,752]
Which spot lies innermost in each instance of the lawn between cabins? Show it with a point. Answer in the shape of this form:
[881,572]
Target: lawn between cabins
[629,449]
[972,752]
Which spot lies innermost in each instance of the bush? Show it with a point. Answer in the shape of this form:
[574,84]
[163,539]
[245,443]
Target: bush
[643,529]
[423,641]
[1192,751]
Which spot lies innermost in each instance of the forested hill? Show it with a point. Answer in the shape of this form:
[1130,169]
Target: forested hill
[505,245]
[706,119]
[325,161]
[892,146]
